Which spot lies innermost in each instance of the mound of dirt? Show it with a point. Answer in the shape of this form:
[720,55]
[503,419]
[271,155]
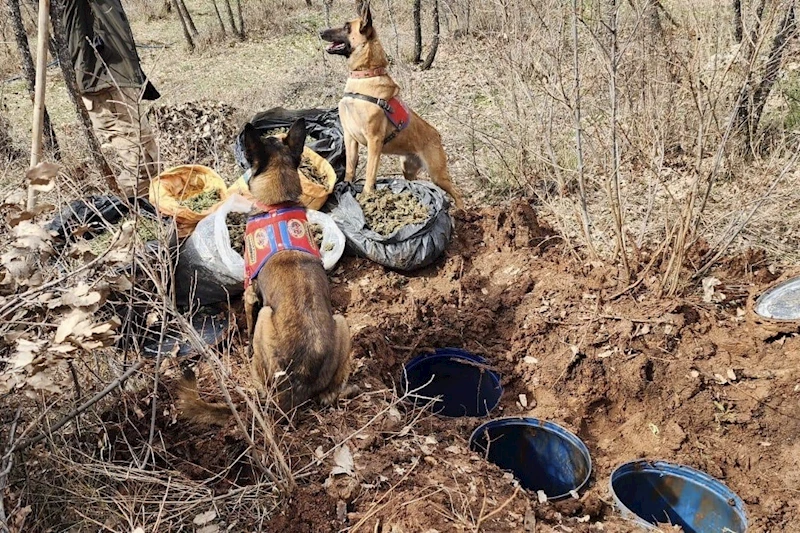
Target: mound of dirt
[195,133]
[633,376]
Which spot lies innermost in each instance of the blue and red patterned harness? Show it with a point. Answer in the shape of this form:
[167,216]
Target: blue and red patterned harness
[278,228]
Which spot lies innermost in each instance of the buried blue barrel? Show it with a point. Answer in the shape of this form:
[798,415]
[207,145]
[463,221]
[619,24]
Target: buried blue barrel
[461,383]
[658,492]
[543,456]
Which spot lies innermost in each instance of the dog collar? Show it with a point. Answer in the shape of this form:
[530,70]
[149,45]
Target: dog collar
[369,73]
[277,228]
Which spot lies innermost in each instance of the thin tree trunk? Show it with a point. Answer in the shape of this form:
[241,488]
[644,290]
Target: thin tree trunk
[586,221]
[21,37]
[417,8]
[779,44]
[230,16]
[738,29]
[390,9]
[614,194]
[186,33]
[435,44]
[188,15]
[59,35]
[219,18]
[241,18]
[755,94]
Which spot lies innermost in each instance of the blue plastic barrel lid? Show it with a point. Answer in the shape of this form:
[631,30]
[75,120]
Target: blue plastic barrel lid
[781,302]
[661,492]
[461,380]
[542,455]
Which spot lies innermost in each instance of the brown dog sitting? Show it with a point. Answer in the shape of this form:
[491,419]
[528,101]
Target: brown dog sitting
[373,116]
[297,342]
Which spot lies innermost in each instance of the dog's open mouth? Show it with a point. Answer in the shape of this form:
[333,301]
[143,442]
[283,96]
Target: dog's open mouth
[335,47]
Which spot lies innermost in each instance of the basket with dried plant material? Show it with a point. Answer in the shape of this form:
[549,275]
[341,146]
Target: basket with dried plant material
[317,178]
[188,193]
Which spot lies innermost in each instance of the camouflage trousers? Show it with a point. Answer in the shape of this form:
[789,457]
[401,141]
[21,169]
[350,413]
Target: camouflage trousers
[125,135]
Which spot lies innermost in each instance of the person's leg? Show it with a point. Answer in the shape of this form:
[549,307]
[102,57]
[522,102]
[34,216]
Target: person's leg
[118,121]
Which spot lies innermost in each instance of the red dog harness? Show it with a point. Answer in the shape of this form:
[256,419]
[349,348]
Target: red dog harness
[277,229]
[396,111]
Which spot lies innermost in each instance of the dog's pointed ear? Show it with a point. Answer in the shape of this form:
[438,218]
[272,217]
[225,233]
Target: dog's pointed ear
[252,146]
[296,139]
[366,16]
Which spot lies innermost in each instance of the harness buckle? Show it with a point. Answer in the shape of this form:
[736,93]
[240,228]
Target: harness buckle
[383,104]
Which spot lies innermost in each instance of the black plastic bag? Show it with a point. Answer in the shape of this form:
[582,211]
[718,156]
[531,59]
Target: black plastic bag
[409,248]
[94,213]
[322,125]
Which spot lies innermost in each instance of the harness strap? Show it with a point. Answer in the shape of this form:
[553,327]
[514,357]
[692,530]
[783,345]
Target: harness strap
[383,104]
[380,102]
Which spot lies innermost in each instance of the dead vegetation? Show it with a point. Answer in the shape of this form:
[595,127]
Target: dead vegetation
[654,138]
[386,212]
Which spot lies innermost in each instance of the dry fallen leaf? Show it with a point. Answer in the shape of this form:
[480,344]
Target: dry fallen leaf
[204,518]
[43,381]
[344,461]
[69,324]
[26,352]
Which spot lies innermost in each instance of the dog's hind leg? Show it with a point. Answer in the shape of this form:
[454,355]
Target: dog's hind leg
[343,345]
[436,163]
[252,304]
[351,156]
[411,166]
[264,366]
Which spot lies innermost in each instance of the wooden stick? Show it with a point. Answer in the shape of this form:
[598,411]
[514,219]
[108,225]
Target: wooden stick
[38,101]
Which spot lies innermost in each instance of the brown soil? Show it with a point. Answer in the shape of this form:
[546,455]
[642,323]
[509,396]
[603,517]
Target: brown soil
[636,376]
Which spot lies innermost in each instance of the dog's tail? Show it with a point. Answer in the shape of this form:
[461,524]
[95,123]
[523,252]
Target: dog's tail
[195,409]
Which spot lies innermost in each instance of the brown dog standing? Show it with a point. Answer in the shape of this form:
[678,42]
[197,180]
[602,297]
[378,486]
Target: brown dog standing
[373,116]
[296,340]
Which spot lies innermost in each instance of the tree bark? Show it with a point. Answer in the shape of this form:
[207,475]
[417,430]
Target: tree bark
[435,43]
[241,18]
[417,8]
[738,29]
[56,12]
[21,37]
[230,16]
[219,18]
[186,33]
[189,19]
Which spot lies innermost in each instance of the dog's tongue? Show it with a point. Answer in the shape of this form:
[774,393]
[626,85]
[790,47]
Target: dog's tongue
[335,46]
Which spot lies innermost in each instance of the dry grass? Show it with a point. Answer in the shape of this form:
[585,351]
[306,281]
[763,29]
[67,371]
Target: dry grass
[502,93]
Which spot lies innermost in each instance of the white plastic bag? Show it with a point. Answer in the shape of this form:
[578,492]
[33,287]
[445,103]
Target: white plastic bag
[333,240]
[209,270]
